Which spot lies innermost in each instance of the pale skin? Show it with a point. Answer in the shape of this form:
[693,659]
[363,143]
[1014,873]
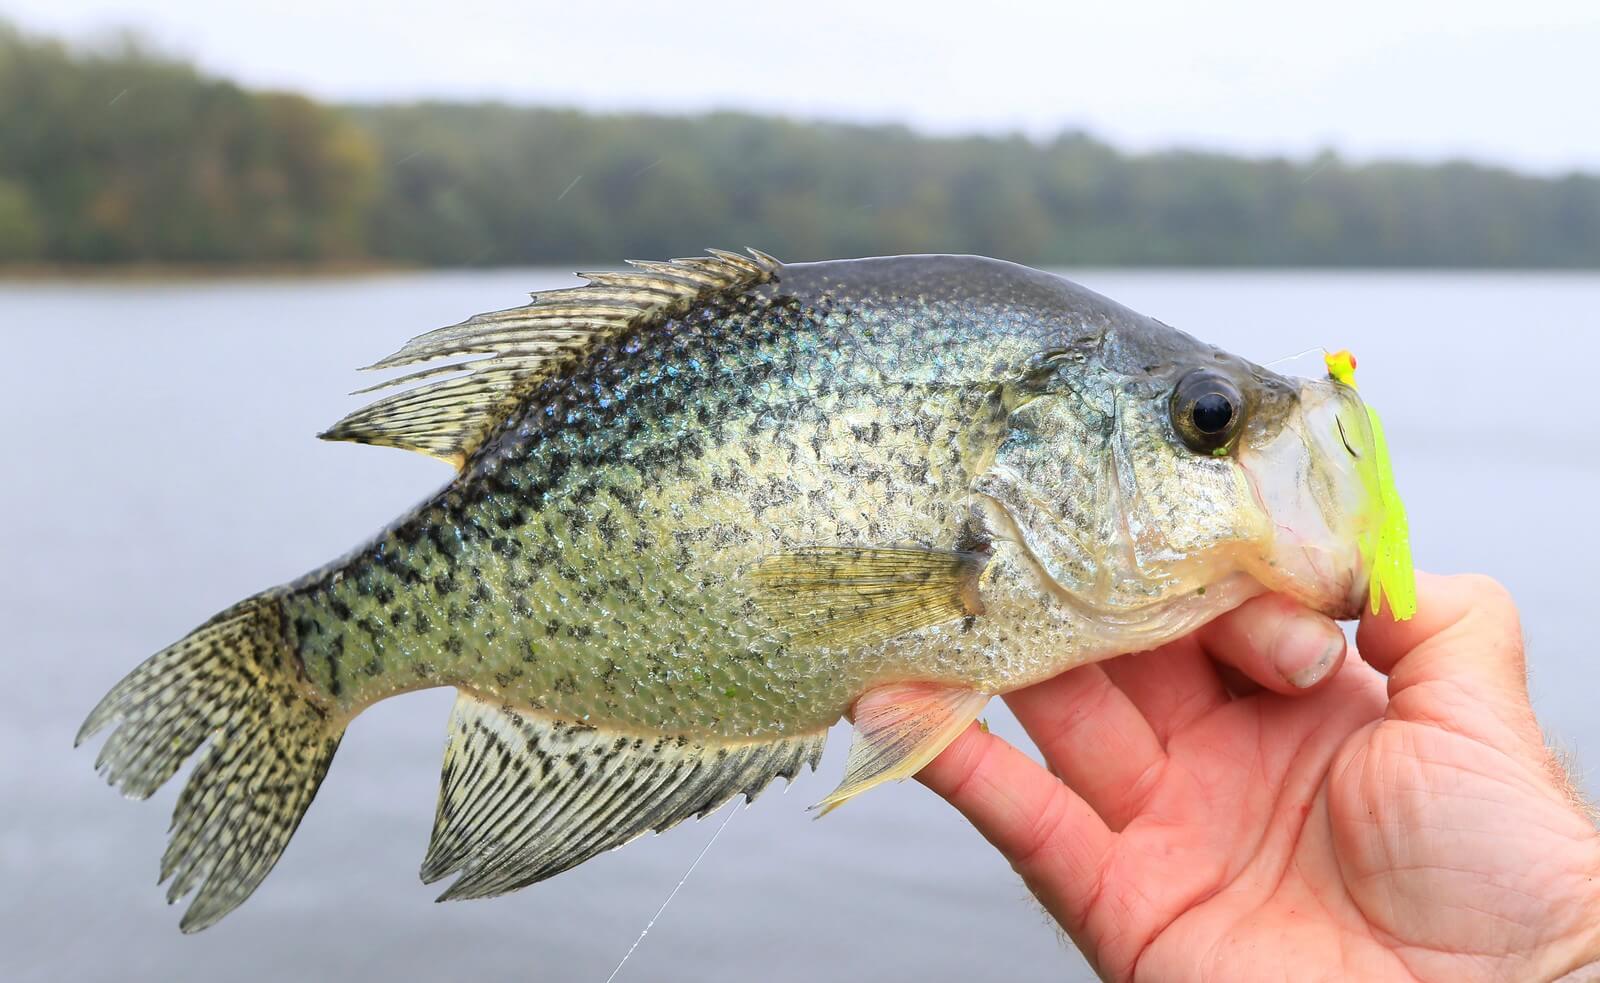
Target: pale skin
[1400,818]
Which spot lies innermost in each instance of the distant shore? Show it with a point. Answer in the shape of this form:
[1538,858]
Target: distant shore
[125,156]
[12,273]
[200,272]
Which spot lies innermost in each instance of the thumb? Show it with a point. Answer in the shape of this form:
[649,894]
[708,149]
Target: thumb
[1465,640]
[1277,643]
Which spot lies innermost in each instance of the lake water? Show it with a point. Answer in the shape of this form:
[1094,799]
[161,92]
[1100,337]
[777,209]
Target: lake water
[161,465]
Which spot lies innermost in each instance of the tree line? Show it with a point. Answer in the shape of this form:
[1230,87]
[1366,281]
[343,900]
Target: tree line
[117,154]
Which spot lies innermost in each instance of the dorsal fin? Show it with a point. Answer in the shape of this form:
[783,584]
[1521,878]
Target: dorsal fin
[450,417]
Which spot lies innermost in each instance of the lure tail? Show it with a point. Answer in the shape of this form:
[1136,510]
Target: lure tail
[1386,548]
[234,688]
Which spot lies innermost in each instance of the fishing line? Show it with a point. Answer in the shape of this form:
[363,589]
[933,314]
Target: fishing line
[1318,349]
[651,924]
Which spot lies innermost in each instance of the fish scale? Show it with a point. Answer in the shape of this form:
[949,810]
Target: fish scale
[632,504]
[706,507]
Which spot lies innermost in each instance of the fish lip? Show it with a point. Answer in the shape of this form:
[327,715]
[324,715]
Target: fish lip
[1338,595]
[1306,486]
[1351,611]
[1355,601]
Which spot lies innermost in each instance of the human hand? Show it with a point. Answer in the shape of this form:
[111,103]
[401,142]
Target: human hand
[1359,828]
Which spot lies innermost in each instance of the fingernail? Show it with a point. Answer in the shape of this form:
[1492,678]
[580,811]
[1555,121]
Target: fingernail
[1306,649]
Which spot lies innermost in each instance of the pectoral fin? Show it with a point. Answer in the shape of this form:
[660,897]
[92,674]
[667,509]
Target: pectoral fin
[900,728]
[841,595]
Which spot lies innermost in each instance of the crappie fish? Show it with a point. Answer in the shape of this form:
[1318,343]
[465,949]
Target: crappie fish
[705,507]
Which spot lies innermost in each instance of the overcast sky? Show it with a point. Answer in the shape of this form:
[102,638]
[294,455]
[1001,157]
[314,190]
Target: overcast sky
[1514,81]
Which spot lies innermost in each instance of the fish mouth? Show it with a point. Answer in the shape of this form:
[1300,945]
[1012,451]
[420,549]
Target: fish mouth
[1307,482]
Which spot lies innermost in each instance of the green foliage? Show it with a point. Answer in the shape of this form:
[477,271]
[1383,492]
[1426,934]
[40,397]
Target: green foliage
[19,225]
[495,184]
[117,155]
[125,156]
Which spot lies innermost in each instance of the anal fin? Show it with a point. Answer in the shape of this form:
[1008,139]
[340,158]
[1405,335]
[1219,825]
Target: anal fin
[524,797]
[899,729]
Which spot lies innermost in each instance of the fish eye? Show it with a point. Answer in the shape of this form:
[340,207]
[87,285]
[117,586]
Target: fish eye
[1207,411]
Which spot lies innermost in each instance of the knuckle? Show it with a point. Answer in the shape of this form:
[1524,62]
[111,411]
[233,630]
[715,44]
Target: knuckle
[1493,611]
[1043,831]
[1488,594]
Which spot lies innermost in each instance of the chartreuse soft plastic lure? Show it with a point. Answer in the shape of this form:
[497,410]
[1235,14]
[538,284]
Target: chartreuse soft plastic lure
[1386,545]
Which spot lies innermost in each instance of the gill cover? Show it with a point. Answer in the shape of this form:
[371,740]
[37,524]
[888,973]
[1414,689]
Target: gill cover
[1115,513]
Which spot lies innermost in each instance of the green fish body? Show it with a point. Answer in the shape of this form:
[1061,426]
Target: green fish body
[703,509]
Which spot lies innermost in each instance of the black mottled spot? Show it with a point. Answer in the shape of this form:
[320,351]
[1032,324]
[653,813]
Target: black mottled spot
[444,545]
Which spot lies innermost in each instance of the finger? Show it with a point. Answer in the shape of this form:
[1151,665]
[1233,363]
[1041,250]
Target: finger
[1172,686]
[1235,682]
[1277,643]
[1048,834]
[1466,635]
[1467,630]
[1092,735]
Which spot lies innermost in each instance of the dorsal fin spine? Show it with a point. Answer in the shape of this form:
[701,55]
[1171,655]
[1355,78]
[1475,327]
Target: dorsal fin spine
[450,417]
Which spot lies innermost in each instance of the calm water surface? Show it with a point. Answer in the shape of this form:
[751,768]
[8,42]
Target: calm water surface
[161,465]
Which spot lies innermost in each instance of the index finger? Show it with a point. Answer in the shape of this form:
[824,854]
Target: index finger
[1046,831]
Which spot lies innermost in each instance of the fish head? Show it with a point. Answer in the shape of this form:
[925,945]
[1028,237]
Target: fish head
[1157,470]
[1311,477]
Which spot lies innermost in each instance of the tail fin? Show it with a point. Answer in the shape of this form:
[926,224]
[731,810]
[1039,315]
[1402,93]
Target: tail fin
[234,686]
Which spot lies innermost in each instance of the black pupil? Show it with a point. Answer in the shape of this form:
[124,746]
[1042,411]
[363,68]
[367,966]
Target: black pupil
[1212,413]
